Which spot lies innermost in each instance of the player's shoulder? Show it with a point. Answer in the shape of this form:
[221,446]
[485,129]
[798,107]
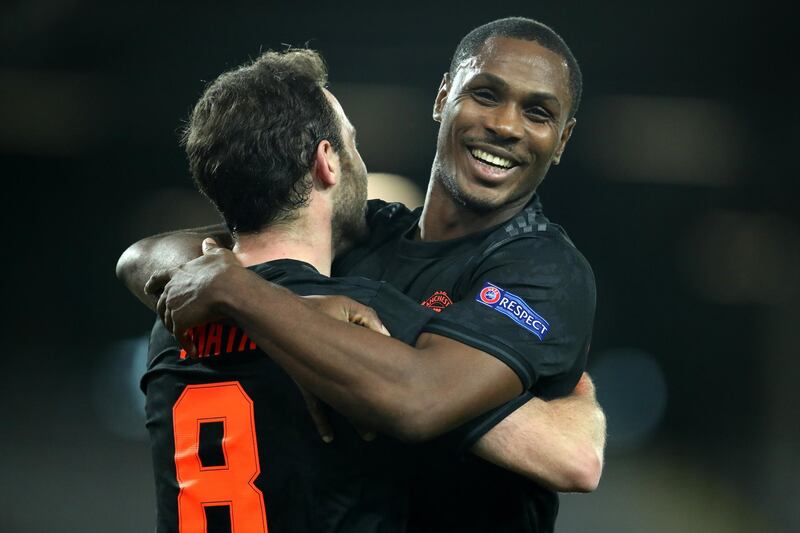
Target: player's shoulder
[304,280]
[531,236]
[358,288]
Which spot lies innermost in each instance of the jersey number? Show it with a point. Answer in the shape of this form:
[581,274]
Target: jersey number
[216,460]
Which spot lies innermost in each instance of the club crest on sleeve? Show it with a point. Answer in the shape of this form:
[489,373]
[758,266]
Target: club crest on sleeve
[514,308]
[437,301]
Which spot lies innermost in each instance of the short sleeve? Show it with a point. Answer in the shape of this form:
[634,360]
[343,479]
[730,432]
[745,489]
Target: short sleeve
[461,439]
[402,316]
[531,304]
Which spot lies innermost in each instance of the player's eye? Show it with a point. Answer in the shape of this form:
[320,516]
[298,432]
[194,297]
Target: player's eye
[538,113]
[484,96]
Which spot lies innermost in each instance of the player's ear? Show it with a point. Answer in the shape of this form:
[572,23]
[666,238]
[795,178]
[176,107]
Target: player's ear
[441,97]
[326,164]
[562,144]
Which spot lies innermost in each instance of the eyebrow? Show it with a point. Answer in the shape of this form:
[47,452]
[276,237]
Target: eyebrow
[503,84]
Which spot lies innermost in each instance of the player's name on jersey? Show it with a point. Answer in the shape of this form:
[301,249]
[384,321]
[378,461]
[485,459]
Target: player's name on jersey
[219,339]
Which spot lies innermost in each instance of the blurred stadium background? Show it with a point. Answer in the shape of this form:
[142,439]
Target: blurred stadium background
[679,185]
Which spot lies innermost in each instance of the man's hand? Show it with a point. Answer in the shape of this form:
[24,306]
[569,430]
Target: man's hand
[347,310]
[191,294]
[318,411]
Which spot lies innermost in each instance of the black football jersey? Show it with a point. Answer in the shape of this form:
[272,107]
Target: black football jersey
[520,292]
[234,448]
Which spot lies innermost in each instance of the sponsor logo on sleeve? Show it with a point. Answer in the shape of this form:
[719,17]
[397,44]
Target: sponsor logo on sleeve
[513,307]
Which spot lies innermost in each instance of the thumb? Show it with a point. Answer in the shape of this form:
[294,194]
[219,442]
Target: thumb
[209,246]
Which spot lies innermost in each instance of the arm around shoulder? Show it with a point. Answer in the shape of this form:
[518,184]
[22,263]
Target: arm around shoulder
[161,252]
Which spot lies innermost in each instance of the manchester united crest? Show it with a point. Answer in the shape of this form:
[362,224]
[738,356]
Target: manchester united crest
[438,301]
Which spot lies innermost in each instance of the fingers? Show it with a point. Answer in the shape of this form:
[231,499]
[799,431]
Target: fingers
[167,317]
[366,434]
[161,306]
[155,285]
[367,317]
[317,411]
[321,422]
[209,246]
[346,309]
[165,313]
[168,321]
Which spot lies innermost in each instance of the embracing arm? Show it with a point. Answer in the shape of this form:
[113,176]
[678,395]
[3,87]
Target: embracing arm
[414,393]
[411,392]
[160,252]
[558,443]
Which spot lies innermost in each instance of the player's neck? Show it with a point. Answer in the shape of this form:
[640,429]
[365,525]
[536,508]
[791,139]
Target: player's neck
[444,218]
[302,239]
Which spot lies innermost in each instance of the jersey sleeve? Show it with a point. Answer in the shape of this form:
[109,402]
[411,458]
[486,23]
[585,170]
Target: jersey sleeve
[406,319]
[531,304]
[461,439]
[402,316]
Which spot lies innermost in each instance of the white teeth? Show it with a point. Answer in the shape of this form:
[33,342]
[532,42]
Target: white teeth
[486,157]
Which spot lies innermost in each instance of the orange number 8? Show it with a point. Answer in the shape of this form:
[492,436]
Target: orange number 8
[229,484]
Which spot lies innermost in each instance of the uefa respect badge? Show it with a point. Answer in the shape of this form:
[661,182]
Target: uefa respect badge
[514,308]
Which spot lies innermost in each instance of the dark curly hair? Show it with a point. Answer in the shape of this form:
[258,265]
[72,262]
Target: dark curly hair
[528,30]
[252,136]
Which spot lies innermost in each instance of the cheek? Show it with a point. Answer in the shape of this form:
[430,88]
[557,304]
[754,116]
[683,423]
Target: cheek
[460,116]
[470,114]
[543,138]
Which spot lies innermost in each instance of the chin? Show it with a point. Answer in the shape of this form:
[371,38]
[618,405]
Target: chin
[478,199]
[478,203]
[475,197]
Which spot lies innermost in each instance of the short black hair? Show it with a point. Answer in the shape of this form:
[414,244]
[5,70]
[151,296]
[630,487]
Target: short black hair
[252,137]
[528,30]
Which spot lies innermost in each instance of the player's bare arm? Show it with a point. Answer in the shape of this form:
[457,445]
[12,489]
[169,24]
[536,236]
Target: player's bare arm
[414,393]
[559,443]
[162,252]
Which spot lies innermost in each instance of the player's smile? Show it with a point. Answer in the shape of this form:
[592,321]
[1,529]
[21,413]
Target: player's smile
[490,163]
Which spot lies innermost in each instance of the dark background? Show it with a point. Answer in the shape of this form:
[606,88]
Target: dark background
[679,185]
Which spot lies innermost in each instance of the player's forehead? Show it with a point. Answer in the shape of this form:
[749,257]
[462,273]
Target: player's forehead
[524,65]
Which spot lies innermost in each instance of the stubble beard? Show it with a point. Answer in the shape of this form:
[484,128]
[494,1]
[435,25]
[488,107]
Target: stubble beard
[480,206]
[349,210]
